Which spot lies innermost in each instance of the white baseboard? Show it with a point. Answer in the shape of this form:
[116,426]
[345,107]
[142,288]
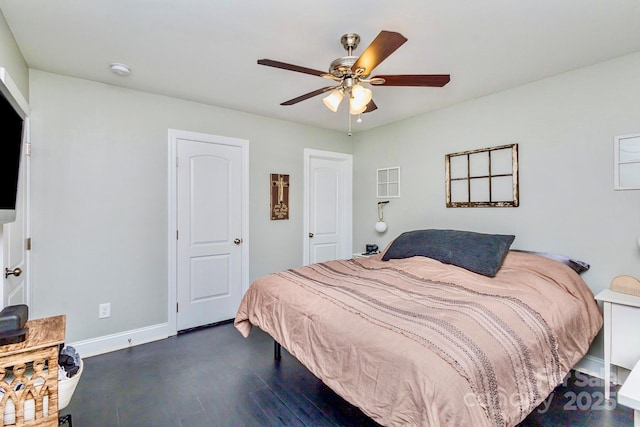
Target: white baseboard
[113,342]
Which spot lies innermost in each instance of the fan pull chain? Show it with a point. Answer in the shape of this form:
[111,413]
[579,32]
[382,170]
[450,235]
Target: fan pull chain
[349,114]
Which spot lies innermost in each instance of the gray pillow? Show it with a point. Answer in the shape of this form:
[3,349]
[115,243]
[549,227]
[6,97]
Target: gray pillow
[577,265]
[477,252]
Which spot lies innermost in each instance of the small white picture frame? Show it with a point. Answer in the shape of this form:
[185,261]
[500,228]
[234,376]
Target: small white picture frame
[388,182]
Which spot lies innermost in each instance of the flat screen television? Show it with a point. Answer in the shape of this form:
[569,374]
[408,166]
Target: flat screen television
[11,136]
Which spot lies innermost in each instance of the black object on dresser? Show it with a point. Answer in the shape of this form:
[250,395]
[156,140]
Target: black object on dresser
[12,324]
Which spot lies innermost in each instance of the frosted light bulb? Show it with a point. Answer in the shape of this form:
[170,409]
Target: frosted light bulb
[381,226]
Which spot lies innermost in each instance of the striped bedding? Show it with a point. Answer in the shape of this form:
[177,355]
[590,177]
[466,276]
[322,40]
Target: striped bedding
[418,342]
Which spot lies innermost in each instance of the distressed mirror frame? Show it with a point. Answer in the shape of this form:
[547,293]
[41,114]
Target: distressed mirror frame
[473,179]
[626,166]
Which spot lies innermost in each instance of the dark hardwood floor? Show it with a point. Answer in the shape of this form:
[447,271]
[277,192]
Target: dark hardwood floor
[215,377]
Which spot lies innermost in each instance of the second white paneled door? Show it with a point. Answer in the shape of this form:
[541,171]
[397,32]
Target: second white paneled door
[210,230]
[328,206]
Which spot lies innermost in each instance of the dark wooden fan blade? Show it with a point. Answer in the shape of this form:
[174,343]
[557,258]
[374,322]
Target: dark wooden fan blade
[432,80]
[290,67]
[371,106]
[308,95]
[380,48]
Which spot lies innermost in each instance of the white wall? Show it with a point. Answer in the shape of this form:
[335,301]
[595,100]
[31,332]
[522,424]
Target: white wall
[99,195]
[99,183]
[564,126]
[11,58]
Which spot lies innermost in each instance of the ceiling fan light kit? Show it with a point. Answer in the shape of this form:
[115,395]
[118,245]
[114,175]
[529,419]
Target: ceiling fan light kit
[333,100]
[350,72]
[360,98]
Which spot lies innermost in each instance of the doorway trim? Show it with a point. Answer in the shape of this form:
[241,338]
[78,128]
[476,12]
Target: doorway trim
[172,224]
[12,93]
[347,218]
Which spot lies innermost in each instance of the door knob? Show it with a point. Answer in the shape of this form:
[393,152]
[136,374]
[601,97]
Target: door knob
[311,235]
[237,241]
[16,272]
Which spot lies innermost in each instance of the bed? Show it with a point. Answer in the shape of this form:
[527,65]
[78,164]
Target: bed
[411,337]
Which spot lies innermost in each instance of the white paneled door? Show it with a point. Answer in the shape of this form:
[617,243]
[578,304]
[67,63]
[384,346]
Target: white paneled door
[328,179]
[210,231]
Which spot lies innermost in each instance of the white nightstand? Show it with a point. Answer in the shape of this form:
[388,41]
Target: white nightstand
[629,394]
[621,338]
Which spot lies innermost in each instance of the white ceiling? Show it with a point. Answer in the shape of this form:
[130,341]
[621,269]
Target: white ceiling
[206,50]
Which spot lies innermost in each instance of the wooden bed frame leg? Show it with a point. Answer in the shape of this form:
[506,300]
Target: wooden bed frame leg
[277,350]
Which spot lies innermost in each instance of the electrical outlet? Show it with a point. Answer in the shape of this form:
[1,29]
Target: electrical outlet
[104,310]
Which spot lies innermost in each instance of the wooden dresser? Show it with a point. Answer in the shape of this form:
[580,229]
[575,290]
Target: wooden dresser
[34,363]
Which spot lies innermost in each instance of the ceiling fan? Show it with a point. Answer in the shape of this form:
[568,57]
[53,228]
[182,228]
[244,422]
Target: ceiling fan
[350,72]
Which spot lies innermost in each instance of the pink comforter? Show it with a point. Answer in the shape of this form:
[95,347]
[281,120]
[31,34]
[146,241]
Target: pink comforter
[418,342]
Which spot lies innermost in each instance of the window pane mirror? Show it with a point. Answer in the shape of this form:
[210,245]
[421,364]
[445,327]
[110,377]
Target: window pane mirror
[484,177]
[627,162]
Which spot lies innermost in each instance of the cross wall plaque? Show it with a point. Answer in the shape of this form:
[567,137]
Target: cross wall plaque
[279,196]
